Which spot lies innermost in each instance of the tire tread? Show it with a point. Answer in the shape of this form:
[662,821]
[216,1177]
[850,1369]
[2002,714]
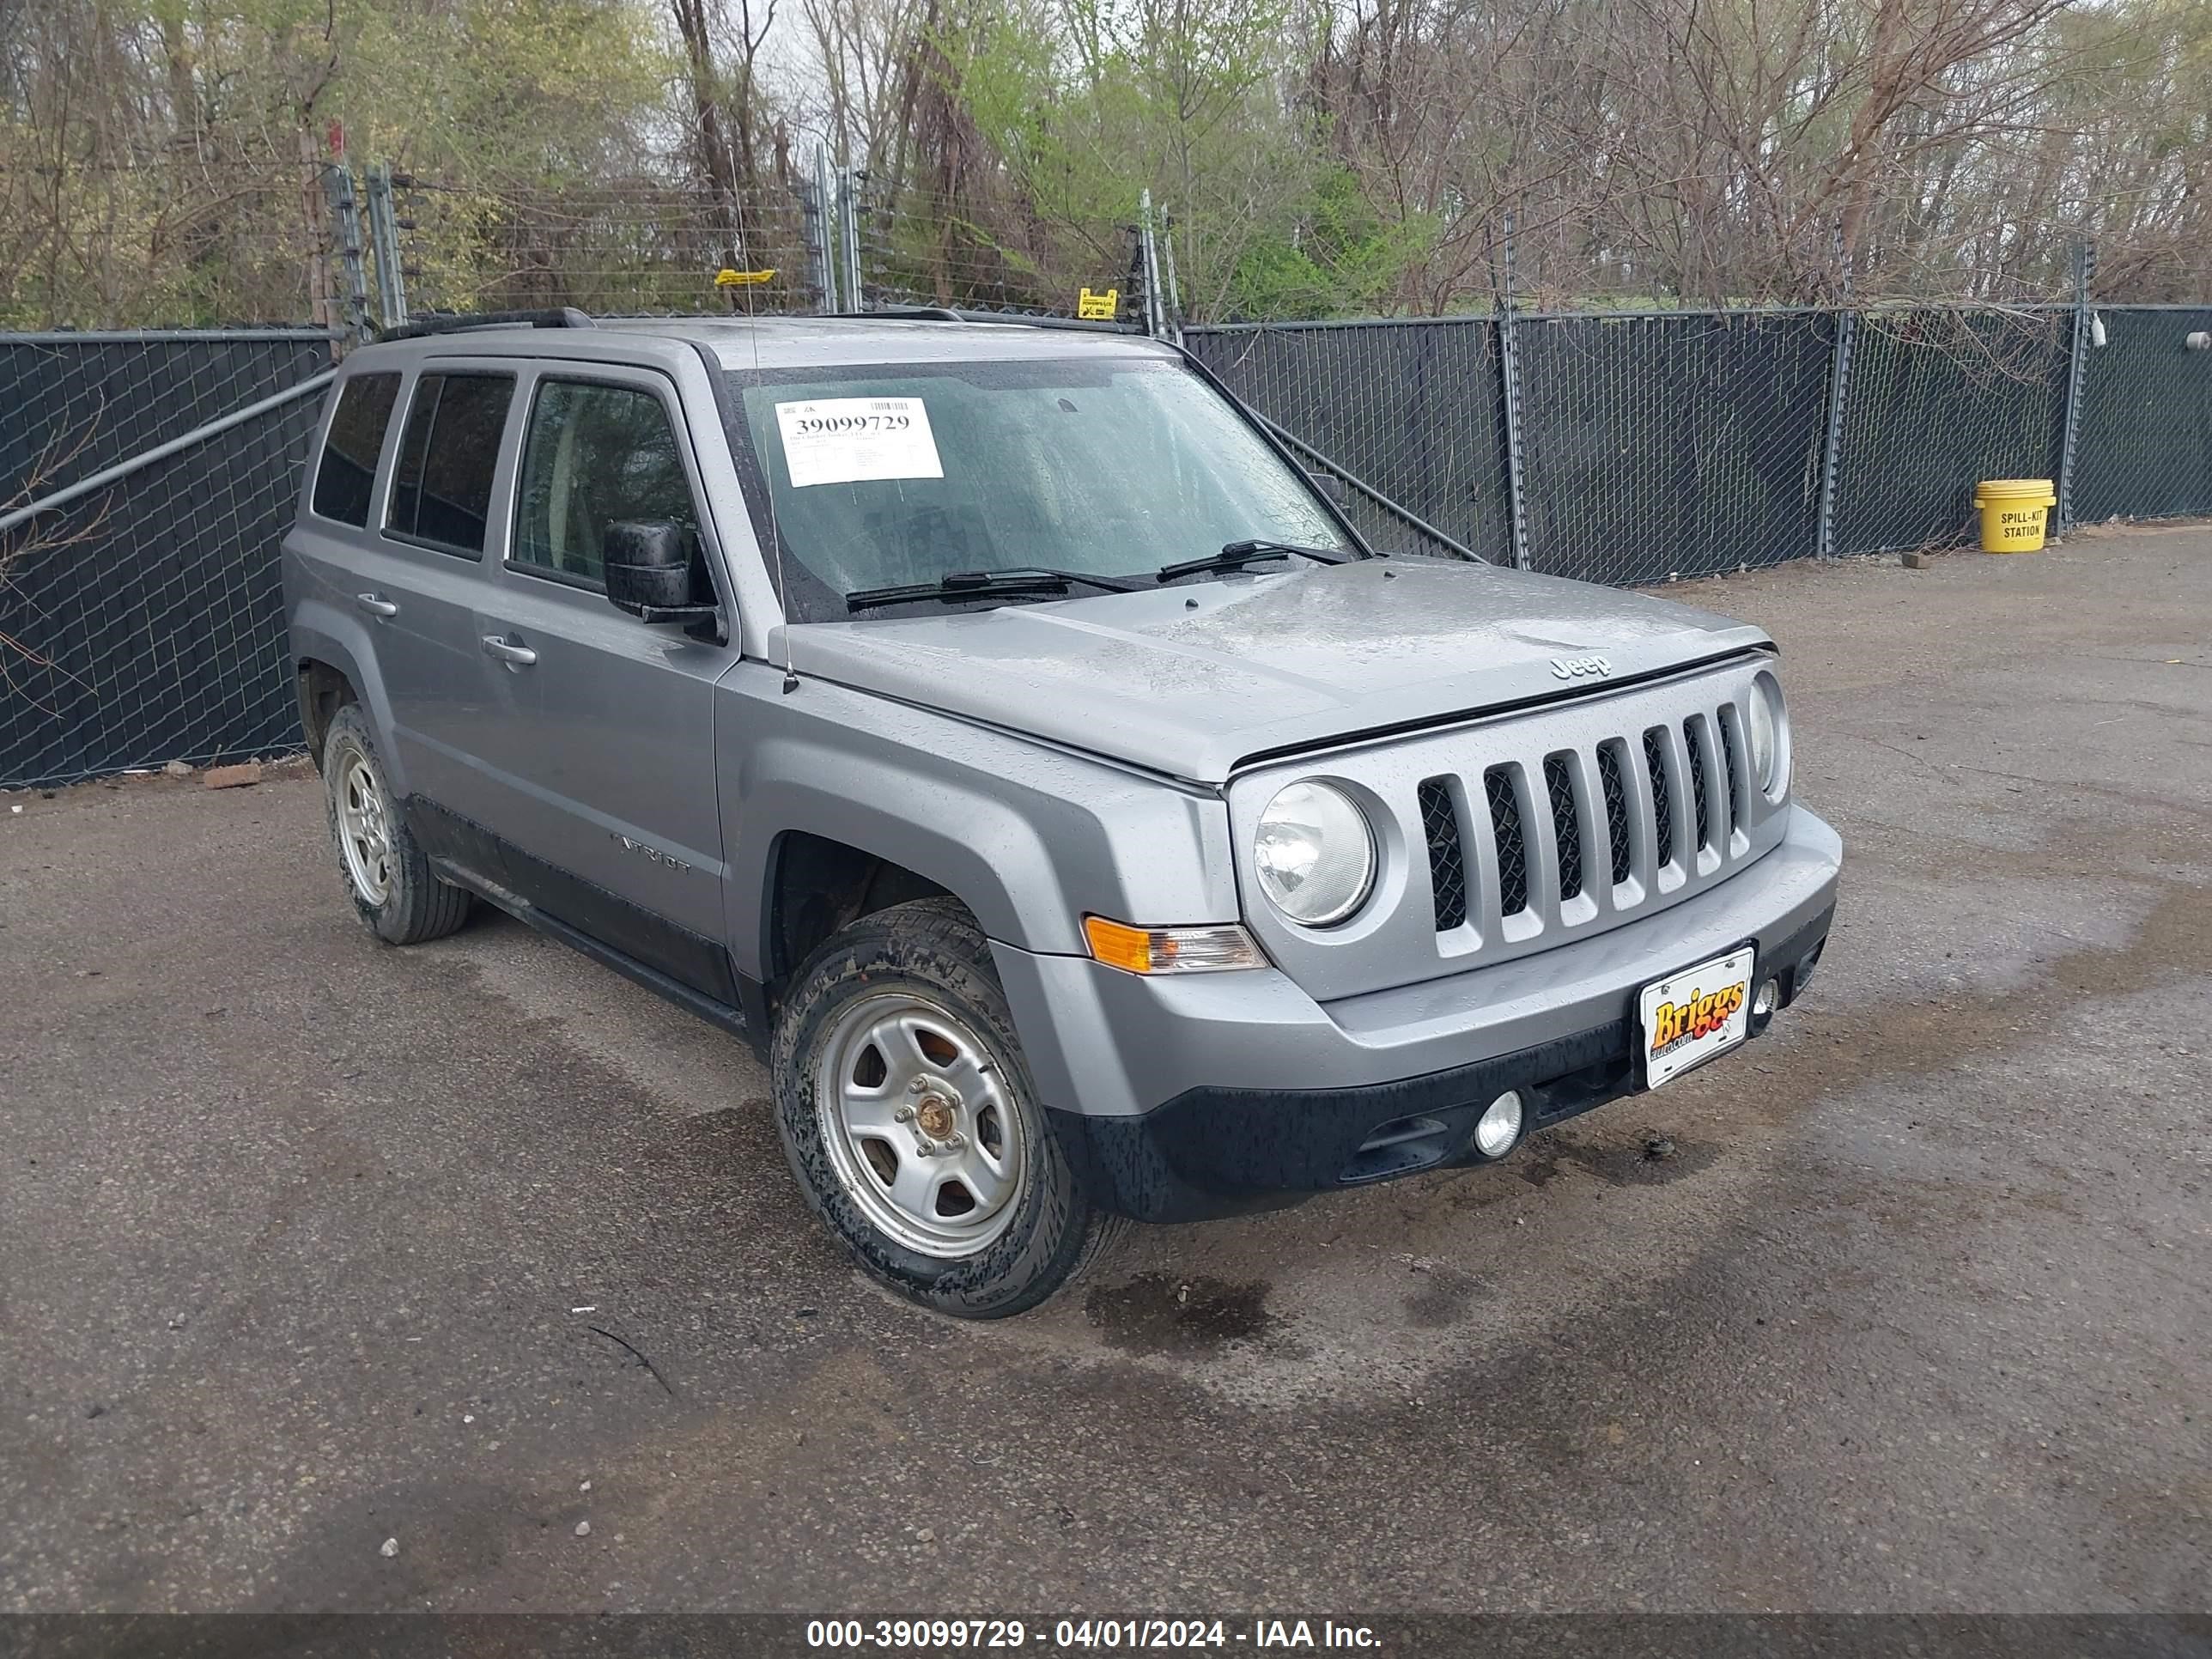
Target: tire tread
[935,944]
[422,906]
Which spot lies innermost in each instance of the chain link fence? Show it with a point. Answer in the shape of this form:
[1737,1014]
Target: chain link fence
[1654,447]
[1660,447]
[1411,409]
[1938,399]
[146,479]
[2143,446]
[141,620]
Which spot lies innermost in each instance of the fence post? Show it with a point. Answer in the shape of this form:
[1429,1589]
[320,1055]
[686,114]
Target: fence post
[1839,380]
[384,243]
[821,239]
[849,181]
[345,214]
[2085,267]
[1174,295]
[1155,312]
[1509,356]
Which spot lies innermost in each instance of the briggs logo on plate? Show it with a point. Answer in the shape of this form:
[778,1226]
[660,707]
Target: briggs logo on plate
[1693,1017]
[1575,668]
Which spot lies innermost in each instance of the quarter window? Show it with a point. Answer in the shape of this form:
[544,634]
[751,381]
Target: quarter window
[346,474]
[596,455]
[441,489]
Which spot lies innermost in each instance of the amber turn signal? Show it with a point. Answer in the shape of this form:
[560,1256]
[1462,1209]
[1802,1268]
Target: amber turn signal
[1171,950]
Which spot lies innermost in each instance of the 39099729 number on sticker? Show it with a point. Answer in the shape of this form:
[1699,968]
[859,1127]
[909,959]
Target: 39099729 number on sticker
[832,440]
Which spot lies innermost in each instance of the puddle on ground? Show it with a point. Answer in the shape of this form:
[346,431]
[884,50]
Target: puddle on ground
[1165,1314]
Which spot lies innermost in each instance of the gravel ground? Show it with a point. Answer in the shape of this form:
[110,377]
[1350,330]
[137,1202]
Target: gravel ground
[308,1245]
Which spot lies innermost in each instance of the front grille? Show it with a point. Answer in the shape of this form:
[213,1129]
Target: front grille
[1616,809]
[1666,760]
[1534,829]
[1695,746]
[1663,793]
[1512,844]
[1728,765]
[1566,825]
[1447,858]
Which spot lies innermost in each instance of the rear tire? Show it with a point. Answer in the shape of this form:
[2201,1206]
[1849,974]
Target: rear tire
[909,1115]
[386,873]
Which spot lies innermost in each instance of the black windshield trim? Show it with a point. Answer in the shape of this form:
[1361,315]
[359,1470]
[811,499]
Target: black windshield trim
[871,599]
[1014,579]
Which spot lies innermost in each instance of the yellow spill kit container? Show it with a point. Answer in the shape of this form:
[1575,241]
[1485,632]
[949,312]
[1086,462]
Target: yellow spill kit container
[2015,513]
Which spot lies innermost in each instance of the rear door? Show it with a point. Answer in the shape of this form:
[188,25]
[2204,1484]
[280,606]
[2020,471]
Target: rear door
[603,779]
[335,560]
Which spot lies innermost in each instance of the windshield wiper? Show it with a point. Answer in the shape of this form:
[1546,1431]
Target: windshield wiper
[1238,555]
[1014,582]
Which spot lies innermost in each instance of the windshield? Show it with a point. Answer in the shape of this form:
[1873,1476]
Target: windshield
[1106,467]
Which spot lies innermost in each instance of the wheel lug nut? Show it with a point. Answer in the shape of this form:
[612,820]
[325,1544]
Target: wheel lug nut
[904,1114]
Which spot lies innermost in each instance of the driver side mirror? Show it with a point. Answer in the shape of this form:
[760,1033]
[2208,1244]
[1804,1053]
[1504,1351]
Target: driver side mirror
[648,572]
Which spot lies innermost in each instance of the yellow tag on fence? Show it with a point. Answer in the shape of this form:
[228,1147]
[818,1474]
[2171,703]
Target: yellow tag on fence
[1098,308]
[727,278]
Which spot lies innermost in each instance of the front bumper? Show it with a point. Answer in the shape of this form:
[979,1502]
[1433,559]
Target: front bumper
[1214,1151]
[1179,1098]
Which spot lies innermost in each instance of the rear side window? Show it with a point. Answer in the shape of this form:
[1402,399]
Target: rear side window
[441,488]
[347,474]
[596,455]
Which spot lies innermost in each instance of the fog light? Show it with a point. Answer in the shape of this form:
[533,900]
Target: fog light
[1499,1126]
[1764,1002]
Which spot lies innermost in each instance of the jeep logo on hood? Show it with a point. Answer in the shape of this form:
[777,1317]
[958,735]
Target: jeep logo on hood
[1575,668]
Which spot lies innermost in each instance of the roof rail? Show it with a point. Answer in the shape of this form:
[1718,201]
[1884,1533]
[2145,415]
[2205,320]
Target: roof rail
[953,314]
[456,322]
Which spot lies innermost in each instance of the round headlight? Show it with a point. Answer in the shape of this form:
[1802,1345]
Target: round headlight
[1763,718]
[1314,853]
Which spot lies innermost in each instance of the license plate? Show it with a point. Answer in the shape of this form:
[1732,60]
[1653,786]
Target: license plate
[1690,1016]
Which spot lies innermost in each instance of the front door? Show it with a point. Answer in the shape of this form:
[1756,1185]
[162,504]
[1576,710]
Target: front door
[603,782]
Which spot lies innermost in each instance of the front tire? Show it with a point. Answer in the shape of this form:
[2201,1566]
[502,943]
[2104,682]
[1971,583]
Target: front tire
[385,872]
[909,1115]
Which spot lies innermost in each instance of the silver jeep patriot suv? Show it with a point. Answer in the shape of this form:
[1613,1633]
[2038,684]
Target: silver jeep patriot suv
[993,725]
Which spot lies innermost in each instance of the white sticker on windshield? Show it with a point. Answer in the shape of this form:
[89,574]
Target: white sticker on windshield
[857,440]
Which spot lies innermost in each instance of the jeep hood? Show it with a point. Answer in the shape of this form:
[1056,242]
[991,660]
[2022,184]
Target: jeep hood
[1192,679]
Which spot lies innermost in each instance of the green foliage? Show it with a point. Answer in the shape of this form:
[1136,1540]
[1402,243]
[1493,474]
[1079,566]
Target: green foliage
[1343,260]
[544,90]
[1088,104]
[158,158]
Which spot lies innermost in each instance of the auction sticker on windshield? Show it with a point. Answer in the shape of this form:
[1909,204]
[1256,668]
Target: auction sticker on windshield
[857,440]
[1690,1016]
